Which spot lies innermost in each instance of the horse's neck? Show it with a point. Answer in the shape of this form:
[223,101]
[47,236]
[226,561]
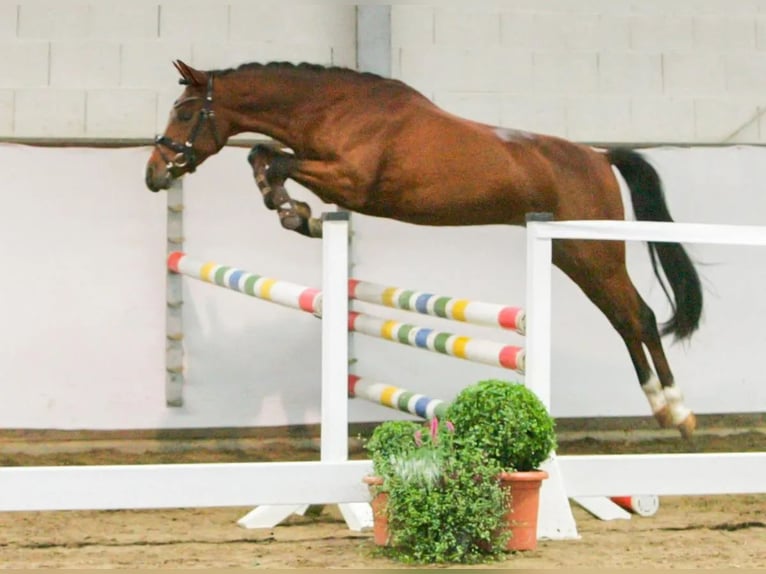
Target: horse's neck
[267,104]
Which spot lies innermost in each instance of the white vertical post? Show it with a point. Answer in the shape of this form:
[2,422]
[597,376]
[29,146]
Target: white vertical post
[555,519]
[334,401]
[538,307]
[335,346]
[334,433]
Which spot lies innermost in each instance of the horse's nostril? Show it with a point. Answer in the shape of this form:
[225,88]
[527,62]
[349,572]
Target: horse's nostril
[150,179]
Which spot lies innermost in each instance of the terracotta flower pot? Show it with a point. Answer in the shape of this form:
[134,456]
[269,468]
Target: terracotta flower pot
[379,518]
[523,490]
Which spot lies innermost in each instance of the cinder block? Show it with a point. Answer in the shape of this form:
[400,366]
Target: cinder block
[120,113]
[745,75]
[412,26]
[328,23]
[724,33]
[211,55]
[466,27]
[8,18]
[49,112]
[164,101]
[90,64]
[53,20]
[408,66]
[523,30]
[621,72]
[660,33]
[598,119]
[343,56]
[760,32]
[6,113]
[662,120]
[727,120]
[544,115]
[148,64]
[25,64]
[477,107]
[124,20]
[567,72]
[459,69]
[694,72]
[192,19]
[588,31]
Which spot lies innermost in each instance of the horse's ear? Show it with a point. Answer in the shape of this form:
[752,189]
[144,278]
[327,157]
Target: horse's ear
[189,75]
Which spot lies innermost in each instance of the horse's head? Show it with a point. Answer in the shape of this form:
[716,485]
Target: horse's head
[193,132]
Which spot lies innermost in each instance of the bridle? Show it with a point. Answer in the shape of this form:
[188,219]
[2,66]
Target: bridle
[185,156]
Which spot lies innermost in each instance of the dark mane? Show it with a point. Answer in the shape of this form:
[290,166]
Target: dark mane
[302,67]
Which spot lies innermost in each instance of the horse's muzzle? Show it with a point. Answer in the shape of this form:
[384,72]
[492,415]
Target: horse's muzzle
[157,182]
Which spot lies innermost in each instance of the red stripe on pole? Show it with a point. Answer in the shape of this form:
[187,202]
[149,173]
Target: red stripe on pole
[508,317]
[509,357]
[173,260]
[306,299]
[352,283]
[352,380]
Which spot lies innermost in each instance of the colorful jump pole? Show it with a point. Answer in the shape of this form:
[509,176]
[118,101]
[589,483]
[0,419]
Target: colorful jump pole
[471,349]
[476,312]
[309,299]
[277,291]
[395,398]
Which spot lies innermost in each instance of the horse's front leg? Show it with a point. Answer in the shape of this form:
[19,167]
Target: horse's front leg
[271,168]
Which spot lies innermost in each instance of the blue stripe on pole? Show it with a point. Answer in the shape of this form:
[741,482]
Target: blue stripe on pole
[421,406]
[421,303]
[234,278]
[421,337]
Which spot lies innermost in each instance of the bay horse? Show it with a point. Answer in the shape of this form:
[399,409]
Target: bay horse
[376,146]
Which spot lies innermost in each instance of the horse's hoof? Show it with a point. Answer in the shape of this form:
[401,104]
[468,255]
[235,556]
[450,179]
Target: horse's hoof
[315,227]
[688,426]
[290,221]
[664,417]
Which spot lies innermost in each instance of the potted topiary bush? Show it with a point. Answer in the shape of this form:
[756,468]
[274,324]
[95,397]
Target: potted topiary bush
[509,423]
[389,441]
[443,504]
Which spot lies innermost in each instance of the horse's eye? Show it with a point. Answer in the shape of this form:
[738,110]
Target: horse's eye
[185,115]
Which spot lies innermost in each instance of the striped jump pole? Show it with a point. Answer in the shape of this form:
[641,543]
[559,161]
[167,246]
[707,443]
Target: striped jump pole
[469,348]
[277,291]
[476,312]
[310,300]
[396,398]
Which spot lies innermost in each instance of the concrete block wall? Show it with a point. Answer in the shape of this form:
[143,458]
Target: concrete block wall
[686,71]
[77,69]
[648,71]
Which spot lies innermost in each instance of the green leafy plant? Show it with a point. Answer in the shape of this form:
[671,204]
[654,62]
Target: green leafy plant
[505,420]
[444,504]
[389,441]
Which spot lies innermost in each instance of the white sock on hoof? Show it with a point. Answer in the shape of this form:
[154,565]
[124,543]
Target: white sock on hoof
[653,391]
[678,411]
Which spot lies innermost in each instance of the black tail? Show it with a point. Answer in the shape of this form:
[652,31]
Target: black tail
[649,205]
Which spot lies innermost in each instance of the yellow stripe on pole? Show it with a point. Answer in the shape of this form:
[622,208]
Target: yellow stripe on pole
[387,396]
[388,296]
[387,330]
[459,346]
[206,271]
[265,287]
[458,309]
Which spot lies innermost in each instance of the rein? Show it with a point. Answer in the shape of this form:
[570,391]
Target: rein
[185,156]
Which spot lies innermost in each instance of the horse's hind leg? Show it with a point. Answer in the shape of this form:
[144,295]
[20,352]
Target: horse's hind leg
[675,413]
[600,272]
[270,169]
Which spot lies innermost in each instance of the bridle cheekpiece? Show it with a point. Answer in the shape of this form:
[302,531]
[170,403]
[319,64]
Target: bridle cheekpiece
[186,156]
